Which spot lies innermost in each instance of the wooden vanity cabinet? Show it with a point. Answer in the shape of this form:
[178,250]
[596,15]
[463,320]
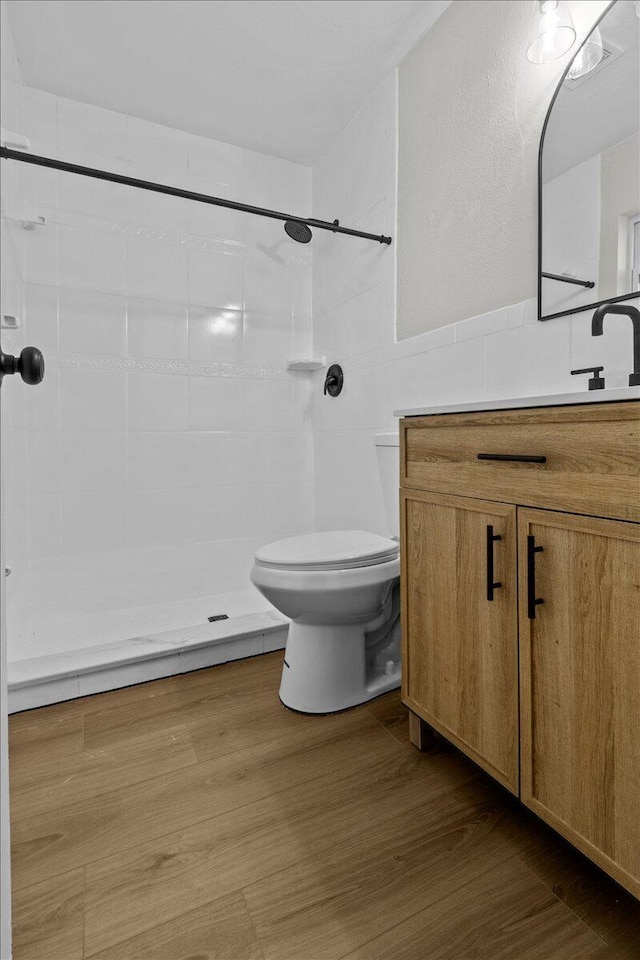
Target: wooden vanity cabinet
[538,678]
[461,664]
[580,684]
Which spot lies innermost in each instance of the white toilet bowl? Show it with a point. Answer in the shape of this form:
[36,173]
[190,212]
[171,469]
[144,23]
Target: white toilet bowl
[340,590]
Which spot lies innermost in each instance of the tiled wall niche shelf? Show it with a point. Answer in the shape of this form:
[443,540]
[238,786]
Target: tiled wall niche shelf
[304,365]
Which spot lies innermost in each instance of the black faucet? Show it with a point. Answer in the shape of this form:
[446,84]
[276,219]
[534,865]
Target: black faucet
[634,315]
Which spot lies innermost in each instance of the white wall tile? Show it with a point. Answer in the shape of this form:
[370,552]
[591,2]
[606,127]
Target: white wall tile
[215,404]
[216,223]
[214,167]
[41,404]
[86,583]
[45,526]
[280,458]
[267,180]
[158,402]
[92,260]
[166,216]
[268,288]
[268,405]
[41,306]
[90,135]
[92,461]
[38,120]
[44,462]
[94,522]
[159,460]
[215,279]
[371,324]
[216,334]
[156,151]
[159,517]
[157,329]
[15,472]
[15,531]
[84,197]
[92,323]
[220,459]
[268,339]
[156,271]
[93,399]
[481,326]
[41,254]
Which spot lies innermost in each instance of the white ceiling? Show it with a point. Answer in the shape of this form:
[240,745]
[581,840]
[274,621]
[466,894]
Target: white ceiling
[279,76]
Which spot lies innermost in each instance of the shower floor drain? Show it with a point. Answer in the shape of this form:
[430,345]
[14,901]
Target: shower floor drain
[218,616]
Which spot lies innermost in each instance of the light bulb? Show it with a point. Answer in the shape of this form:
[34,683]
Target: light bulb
[588,56]
[555,35]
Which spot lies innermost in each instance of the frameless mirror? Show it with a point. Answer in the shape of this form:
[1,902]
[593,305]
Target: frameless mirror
[589,173]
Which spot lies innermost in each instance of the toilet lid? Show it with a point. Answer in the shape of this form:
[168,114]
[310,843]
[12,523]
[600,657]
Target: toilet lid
[336,549]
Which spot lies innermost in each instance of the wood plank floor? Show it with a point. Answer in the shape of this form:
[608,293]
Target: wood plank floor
[195,818]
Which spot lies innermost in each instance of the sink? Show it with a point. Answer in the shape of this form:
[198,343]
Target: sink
[616,394]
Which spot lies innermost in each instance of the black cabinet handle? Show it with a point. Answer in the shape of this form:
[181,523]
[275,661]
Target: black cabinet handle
[516,457]
[532,600]
[491,583]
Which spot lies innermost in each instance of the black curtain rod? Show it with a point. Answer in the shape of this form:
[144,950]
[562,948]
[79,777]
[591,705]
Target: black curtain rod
[8,154]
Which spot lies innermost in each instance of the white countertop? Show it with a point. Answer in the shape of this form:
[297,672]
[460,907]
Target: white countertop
[516,403]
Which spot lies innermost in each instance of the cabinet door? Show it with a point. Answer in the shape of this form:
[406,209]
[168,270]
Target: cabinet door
[460,667]
[580,683]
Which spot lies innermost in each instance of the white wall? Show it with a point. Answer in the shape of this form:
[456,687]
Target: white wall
[168,440]
[501,354]
[471,110]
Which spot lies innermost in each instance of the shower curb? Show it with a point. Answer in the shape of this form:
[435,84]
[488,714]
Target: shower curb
[54,678]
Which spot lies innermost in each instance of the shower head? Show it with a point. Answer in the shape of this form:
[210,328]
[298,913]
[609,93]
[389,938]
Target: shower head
[299,232]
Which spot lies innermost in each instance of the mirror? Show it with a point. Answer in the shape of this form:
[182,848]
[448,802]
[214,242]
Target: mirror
[589,173]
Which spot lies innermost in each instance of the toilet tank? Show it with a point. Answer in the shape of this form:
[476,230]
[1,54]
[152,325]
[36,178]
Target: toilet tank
[387,450]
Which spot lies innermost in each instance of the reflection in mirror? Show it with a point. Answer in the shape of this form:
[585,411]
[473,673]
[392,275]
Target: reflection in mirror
[590,171]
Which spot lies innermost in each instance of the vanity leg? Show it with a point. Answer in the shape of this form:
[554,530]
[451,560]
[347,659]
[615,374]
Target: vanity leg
[421,734]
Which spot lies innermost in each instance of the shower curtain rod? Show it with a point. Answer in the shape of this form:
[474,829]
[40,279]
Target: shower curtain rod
[8,154]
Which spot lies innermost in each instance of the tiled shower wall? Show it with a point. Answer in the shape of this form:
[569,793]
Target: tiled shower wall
[168,440]
[502,354]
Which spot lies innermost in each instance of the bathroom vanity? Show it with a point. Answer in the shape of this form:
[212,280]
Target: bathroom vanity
[520,546]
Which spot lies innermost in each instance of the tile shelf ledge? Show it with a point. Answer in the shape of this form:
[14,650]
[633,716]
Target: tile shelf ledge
[306,364]
[517,403]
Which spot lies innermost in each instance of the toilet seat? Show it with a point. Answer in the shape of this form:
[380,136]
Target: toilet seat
[334,550]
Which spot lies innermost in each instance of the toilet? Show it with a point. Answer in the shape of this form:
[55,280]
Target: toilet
[341,591]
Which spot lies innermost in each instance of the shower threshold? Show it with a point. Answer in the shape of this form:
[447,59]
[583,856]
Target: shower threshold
[123,663]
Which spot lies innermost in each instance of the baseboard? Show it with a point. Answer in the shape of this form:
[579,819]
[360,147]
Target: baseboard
[78,673]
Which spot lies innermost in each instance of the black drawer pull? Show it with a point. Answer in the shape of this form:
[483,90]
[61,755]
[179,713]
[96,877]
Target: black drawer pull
[516,457]
[491,583]
[532,600]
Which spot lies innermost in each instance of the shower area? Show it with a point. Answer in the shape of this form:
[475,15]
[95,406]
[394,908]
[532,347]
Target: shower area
[168,439]
[168,280]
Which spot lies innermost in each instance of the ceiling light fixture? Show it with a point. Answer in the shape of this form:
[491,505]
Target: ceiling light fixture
[588,56]
[555,35]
